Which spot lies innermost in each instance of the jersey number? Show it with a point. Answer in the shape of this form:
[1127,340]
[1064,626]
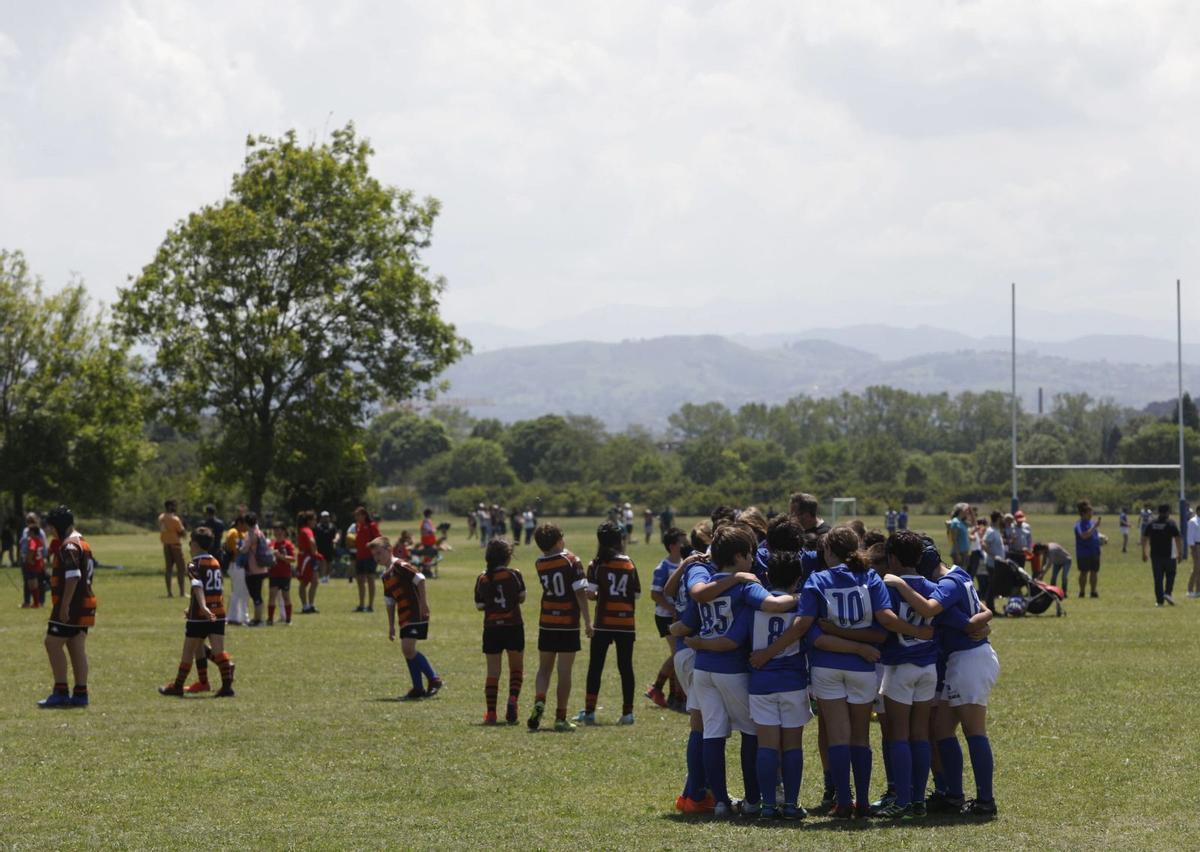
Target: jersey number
[849,606]
[775,627]
[212,582]
[714,617]
[554,584]
[500,599]
[909,614]
[618,586]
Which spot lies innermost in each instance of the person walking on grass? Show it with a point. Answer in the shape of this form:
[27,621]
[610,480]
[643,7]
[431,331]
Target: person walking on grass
[1193,545]
[408,610]
[1087,547]
[72,610]
[170,532]
[1165,544]
[365,532]
[499,593]
[205,621]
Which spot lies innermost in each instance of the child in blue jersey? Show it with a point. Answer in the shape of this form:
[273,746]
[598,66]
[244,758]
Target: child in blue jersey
[972,669]
[720,679]
[674,540]
[910,675]
[852,603]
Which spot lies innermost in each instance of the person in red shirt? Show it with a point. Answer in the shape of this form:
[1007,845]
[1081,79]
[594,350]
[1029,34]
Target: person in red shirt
[308,570]
[281,575]
[365,532]
[34,566]
[499,593]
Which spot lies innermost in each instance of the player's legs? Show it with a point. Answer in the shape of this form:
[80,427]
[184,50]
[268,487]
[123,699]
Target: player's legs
[516,678]
[899,750]
[56,650]
[180,566]
[1194,580]
[596,655]
[1169,578]
[860,749]
[624,645]
[491,687]
[1158,569]
[371,592]
[767,762]
[566,663]
[541,681]
[973,718]
[835,720]
[791,757]
[285,598]
[361,580]
[168,567]
[920,748]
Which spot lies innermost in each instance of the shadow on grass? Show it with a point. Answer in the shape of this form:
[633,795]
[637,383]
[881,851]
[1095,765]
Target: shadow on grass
[820,823]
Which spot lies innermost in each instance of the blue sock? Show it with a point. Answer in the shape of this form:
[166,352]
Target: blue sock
[425,667]
[695,766]
[921,757]
[793,773]
[939,777]
[839,766]
[860,761]
[982,765]
[768,772]
[750,768]
[828,773]
[414,671]
[714,767]
[902,766]
[885,748]
[952,765]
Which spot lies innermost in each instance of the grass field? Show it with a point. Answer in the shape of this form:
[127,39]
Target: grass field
[1090,723]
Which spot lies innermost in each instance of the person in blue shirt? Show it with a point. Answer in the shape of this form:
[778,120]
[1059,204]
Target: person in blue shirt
[674,540]
[958,528]
[972,669]
[1087,546]
[889,520]
[910,676]
[852,603]
[720,679]
[902,518]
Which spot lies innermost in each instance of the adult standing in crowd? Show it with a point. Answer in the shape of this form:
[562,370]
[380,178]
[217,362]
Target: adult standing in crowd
[170,534]
[365,532]
[1123,523]
[1056,557]
[1087,547]
[1023,535]
[485,525]
[889,520]
[516,522]
[803,508]
[993,549]
[902,518]
[529,519]
[958,529]
[666,520]
[326,533]
[648,523]
[1193,546]
[259,559]
[1145,516]
[215,524]
[1165,546]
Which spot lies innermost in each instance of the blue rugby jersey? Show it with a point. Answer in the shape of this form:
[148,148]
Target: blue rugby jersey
[728,615]
[850,600]
[956,593]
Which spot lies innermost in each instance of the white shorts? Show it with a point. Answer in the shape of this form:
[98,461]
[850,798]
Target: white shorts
[784,709]
[970,676]
[724,703]
[879,706]
[855,687]
[685,665]
[908,684]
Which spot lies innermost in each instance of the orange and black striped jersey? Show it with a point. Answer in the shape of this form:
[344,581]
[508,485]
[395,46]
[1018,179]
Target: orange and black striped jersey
[400,582]
[561,576]
[616,586]
[499,597]
[73,560]
[205,572]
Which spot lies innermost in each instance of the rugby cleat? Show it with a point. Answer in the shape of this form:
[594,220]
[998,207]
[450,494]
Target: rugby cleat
[842,812]
[535,718]
[55,700]
[748,809]
[916,811]
[722,810]
[980,808]
[942,803]
[889,811]
[510,712]
[198,686]
[627,719]
[171,689]
[862,810]
[585,717]
[656,695]
[768,812]
[489,718]
[883,801]
[224,692]
[79,700]
[435,685]
[792,812]
[563,726]
[413,694]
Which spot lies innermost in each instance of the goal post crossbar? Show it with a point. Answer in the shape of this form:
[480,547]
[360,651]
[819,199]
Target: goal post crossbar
[1098,466]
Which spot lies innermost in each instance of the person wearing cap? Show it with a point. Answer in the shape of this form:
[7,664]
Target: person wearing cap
[326,535]
[1162,537]
[1024,534]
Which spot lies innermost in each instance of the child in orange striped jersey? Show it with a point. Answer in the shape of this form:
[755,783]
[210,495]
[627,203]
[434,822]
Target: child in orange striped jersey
[499,593]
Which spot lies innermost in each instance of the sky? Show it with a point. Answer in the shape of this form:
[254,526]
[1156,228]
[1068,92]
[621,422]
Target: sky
[615,169]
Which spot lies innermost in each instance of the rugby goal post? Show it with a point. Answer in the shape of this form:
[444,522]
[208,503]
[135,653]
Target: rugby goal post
[1177,465]
[843,507]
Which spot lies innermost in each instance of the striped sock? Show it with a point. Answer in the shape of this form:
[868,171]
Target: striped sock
[182,676]
[490,688]
[81,689]
[202,669]
[516,677]
[225,664]
[61,689]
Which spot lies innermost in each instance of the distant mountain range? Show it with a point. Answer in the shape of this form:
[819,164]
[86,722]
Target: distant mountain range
[643,381]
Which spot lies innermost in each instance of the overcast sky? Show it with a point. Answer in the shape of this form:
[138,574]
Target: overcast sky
[749,164]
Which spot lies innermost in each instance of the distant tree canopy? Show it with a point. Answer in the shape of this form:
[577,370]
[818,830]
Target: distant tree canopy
[288,310]
[71,404]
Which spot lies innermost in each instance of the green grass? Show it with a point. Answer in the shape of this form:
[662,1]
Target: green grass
[1091,724]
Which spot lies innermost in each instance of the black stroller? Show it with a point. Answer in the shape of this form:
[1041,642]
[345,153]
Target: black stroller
[1022,593]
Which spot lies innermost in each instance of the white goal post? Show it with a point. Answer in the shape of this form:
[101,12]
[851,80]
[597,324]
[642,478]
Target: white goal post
[843,507]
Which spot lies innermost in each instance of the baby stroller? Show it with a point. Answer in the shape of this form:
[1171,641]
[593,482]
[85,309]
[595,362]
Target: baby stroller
[1024,594]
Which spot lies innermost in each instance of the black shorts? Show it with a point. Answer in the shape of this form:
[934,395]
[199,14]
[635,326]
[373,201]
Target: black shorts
[499,639]
[663,623]
[64,631]
[415,631]
[558,641]
[201,629]
[254,587]
[365,566]
[284,583]
[1088,563]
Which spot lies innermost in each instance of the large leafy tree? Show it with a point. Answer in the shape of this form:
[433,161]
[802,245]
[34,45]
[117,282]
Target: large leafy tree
[403,439]
[301,299]
[70,402]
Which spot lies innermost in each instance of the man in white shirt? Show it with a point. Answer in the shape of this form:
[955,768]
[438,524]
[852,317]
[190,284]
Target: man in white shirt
[1193,545]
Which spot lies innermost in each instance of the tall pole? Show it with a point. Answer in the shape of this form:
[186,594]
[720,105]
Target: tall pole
[1015,502]
[1179,355]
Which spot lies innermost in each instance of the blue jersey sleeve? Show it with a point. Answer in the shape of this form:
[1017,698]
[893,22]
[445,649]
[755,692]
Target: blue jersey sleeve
[691,616]
[954,618]
[948,592]
[880,597]
[812,601]
[701,572]
[739,631]
[753,595]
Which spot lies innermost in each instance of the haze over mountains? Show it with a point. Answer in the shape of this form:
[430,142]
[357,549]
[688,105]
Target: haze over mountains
[641,381]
